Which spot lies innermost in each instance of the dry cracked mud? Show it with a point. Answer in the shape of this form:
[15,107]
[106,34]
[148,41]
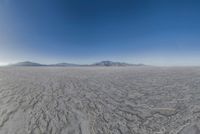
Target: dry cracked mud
[100,100]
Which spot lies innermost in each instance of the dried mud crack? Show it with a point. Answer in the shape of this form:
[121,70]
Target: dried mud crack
[114,100]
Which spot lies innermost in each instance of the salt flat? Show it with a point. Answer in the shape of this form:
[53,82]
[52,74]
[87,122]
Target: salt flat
[100,100]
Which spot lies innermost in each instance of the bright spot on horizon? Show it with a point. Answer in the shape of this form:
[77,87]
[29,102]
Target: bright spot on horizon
[3,63]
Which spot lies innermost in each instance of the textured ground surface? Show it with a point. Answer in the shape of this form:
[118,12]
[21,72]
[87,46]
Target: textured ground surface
[140,100]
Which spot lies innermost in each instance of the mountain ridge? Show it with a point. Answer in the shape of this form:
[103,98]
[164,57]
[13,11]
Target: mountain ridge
[101,63]
[112,63]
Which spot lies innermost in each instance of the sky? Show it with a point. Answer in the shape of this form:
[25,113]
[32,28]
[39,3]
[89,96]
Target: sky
[153,32]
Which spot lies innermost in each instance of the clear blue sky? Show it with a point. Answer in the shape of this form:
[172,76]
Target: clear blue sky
[155,32]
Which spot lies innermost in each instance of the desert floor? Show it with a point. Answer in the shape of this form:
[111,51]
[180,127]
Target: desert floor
[100,100]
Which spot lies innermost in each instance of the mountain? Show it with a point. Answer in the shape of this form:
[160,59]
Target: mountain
[102,63]
[111,63]
[27,63]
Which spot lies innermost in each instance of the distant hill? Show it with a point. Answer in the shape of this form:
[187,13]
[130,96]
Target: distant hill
[102,63]
[111,63]
[27,63]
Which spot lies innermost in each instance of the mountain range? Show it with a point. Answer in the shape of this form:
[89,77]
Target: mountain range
[102,63]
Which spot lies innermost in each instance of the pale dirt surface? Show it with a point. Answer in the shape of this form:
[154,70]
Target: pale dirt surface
[114,100]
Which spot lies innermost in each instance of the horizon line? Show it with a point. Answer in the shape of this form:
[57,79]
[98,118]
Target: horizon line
[178,65]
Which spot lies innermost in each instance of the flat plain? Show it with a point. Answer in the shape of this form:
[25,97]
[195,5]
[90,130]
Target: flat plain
[100,100]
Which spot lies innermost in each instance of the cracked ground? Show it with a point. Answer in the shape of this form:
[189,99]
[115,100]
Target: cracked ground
[100,100]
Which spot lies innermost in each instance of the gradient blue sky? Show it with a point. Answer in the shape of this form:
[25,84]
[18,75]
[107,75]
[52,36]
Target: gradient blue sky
[155,32]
